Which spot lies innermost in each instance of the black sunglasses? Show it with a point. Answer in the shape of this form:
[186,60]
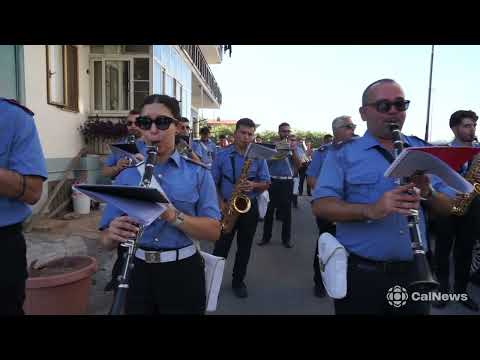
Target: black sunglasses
[384,106]
[349,126]
[161,122]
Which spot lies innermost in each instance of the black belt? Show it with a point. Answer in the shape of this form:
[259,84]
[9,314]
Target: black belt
[383,266]
[11,228]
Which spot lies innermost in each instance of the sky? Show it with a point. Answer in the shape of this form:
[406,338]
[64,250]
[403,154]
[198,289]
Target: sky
[308,86]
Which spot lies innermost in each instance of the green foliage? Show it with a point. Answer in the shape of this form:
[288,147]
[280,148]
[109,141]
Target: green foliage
[315,137]
[216,131]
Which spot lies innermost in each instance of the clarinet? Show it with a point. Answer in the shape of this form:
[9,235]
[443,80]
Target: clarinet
[118,306]
[422,279]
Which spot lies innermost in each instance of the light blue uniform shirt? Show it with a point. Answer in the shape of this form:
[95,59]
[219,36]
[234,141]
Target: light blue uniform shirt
[353,172]
[206,152]
[317,160]
[20,151]
[222,171]
[189,187]
[113,158]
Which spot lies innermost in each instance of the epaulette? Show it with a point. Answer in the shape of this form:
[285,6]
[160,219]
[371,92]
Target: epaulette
[195,162]
[342,143]
[14,102]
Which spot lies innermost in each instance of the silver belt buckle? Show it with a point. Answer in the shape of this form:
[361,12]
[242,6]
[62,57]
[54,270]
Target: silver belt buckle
[152,257]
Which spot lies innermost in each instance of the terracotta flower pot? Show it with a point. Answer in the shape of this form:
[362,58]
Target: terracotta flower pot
[61,287]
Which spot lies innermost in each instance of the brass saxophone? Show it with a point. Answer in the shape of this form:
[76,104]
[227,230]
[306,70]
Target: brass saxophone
[462,203]
[239,203]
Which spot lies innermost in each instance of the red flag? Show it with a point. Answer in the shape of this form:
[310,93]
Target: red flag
[453,156]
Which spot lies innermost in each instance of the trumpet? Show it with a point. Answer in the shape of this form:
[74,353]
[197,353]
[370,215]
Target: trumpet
[283,150]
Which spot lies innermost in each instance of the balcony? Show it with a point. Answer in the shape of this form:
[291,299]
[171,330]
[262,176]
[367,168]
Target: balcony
[213,53]
[196,55]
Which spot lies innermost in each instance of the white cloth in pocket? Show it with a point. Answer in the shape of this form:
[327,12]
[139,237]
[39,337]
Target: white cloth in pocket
[214,267]
[262,200]
[333,261]
[296,182]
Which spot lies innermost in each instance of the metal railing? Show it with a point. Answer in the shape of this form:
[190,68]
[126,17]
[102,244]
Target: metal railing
[195,54]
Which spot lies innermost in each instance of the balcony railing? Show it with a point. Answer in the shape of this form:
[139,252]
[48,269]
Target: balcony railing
[194,52]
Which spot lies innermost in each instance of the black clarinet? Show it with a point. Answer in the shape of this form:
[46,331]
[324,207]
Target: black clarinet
[118,306]
[422,279]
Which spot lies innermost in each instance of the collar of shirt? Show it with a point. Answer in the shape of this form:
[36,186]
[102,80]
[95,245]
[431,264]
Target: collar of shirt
[174,157]
[368,141]
[457,143]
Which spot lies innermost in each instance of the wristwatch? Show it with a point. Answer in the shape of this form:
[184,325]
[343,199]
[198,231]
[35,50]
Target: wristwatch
[179,218]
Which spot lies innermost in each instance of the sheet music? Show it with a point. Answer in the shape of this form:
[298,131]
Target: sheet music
[412,160]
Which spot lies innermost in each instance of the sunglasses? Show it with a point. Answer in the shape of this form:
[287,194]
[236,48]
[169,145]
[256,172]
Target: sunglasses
[349,126]
[384,106]
[161,122]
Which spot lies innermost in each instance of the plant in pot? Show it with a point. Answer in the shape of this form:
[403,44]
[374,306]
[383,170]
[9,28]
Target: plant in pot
[99,133]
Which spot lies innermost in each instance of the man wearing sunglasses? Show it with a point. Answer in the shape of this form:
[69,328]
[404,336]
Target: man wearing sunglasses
[343,130]
[371,210]
[114,163]
[461,228]
[205,148]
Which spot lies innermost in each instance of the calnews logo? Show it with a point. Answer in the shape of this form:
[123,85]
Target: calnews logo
[397,296]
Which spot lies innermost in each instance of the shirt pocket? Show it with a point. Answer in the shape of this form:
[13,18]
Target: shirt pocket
[361,186]
[185,201]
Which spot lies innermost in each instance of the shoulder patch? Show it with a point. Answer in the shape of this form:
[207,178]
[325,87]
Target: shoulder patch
[14,102]
[340,144]
[194,162]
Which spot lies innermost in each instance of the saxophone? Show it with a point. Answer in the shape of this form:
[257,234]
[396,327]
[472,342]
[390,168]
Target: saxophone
[239,203]
[462,202]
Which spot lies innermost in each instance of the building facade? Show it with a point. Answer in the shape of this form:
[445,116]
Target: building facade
[64,85]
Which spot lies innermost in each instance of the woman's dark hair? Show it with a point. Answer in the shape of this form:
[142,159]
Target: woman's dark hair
[458,116]
[134,112]
[170,102]
[245,122]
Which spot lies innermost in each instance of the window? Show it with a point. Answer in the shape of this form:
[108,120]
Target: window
[119,84]
[116,85]
[62,76]
[178,91]
[169,85]
[140,81]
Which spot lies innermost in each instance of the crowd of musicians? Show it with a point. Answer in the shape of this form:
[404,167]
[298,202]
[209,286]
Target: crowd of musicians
[369,214]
